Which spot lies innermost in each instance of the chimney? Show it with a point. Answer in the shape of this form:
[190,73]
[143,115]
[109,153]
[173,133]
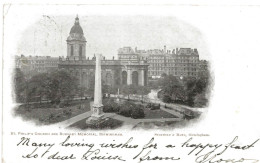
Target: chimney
[173,51]
[136,49]
[177,51]
[164,49]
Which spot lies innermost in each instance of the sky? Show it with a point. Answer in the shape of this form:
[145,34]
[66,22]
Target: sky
[105,34]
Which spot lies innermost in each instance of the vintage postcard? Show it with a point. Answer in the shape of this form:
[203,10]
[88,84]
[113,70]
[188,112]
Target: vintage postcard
[136,82]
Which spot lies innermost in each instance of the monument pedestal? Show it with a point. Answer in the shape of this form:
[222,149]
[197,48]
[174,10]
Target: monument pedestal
[97,115]
[95,120]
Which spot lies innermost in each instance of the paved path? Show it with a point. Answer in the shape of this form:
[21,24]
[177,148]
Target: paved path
[175,110]
[152,98]
[77,118]
[126,120]
[177,107]
[172,112]
[72,120]
[133,122]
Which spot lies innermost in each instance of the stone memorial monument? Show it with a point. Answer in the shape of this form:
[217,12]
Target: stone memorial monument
[97,107]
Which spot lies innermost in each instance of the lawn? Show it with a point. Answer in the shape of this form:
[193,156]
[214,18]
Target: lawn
[109,123]
[153,114]
[51,114]
[45,114]
[161,125]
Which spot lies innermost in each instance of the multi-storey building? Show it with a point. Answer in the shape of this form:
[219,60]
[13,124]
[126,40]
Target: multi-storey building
[36,64]
[177,62]
[204,68]
[186,62]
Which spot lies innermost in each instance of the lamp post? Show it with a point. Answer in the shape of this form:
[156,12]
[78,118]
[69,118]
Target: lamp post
[181,78]
[117,95]
[182,85]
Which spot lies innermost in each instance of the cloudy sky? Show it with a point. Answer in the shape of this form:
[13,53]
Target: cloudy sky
[106,34]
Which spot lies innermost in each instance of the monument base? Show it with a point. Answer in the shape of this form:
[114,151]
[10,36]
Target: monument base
[96,120]
[97,115]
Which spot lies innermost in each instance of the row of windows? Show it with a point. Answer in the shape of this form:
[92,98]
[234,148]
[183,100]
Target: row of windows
[186,57]
[182,64]
[32,61]
[154,61]
[38,65]
[174,73]
[172,65]
[175,57]
[156,68]
[127,56]
[187,61]
[52,61]
[156,57]
[175,69]
[36,62]
[171,61]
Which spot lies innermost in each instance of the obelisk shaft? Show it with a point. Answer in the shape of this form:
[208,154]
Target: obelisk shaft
[97,107]
[98,89]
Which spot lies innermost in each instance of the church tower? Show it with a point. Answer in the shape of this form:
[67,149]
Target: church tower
[76,42]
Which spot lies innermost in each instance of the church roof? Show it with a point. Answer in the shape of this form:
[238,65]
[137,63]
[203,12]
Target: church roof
[76,27]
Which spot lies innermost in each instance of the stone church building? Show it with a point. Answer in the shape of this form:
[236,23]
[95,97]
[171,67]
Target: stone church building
[128,70]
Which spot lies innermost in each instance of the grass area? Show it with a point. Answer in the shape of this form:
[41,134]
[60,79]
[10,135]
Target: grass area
[161,125]
[46,113]
[109,123]
[51,114]
[153,114]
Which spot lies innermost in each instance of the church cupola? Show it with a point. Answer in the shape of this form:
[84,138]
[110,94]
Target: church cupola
[76,42]
[76,29]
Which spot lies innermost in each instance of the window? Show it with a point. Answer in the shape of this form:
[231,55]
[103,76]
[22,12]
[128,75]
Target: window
[80,51]
[71,50]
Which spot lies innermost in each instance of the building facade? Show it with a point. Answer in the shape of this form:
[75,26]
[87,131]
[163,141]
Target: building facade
[124,71]
[204,68]
[31,65]
[177,62]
